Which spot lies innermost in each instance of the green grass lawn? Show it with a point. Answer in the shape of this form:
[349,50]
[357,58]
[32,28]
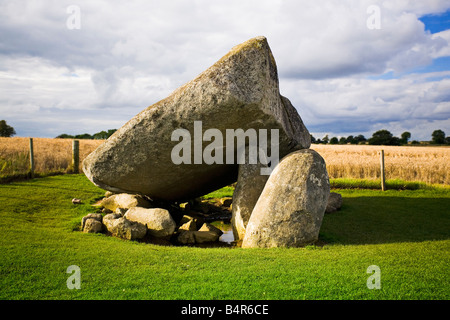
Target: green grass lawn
[405,233]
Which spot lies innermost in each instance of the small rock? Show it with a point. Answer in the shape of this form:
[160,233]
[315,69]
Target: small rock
[334,202]
[191,225]
[158,221]
[209,227]
[112,216]
[226,202]
[205,236]
[108,194]
[121,211]
[186,206]
[76,201]
[197,217]
[186,237]
[95,216]
[186,218]
[124,201]
[123,228]
[93,226]
[193,237]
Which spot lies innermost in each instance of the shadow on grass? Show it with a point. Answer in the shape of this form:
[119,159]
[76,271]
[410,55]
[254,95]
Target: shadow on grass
[375,220]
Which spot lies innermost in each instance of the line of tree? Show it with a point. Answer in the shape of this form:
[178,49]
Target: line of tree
[383,137]
[96,136]
[6,130]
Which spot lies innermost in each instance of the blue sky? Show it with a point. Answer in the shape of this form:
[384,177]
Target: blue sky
[344,76]
[436,22]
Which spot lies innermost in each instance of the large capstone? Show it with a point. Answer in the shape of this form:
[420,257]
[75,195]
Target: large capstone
[240,91]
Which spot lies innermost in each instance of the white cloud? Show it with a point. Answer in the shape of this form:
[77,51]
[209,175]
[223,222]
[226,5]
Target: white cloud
[130,54]
[444,38]
[352,105]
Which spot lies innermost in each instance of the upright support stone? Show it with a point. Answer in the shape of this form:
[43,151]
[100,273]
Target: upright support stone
[250,184]
[290,209]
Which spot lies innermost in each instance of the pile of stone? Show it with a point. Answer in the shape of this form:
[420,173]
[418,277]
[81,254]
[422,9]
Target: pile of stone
[239,92]
[133,217]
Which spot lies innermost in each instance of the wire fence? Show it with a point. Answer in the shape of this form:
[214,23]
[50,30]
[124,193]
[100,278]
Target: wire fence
[29,157]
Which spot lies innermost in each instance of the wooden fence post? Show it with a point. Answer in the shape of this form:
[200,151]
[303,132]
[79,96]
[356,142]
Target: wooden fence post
[383,176]
[31,158]
[75,156]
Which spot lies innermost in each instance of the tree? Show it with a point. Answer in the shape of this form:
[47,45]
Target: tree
[350,139]
[100,135]
[64,136]
[111,132]
[342,140]
[325,139]
[83,136]
[334,140]
[384,137]
[438,137]
[359,139]
[405,137]
[6,130]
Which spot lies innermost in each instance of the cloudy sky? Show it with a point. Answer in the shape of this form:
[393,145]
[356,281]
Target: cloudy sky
[349,67]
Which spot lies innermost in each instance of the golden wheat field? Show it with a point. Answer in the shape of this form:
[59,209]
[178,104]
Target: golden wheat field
[425,163]
[50,155]
[411,163]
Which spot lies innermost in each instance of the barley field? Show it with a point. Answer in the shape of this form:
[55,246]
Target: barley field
[50,155]
[425,163]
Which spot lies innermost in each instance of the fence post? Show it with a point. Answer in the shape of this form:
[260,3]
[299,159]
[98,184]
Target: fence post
[31,158]
[383,176]
[75,156]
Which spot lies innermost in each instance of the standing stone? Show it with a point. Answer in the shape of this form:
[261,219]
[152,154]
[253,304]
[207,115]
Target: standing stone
[158,221]
[240,91]
[249,186]
[290,209]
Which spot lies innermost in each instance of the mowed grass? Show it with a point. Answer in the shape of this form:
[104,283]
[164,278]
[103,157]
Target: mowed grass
[405,233]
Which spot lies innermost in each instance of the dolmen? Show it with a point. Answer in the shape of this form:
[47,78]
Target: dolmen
[229,124]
